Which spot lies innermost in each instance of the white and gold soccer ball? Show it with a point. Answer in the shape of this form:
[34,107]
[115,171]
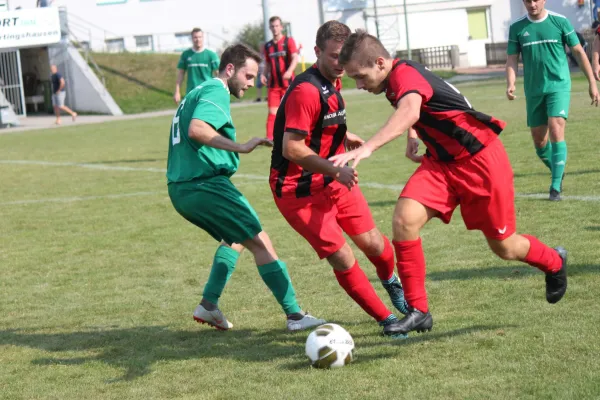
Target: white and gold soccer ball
[329,346]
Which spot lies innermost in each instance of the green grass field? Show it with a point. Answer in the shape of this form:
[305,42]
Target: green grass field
[99,277]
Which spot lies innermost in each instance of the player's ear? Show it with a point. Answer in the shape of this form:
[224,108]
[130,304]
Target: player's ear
[230,70]
[380,62]
[317,51]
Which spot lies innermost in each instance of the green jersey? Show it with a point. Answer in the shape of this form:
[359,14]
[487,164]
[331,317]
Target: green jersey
[188,159]
[200,66]
[542,45]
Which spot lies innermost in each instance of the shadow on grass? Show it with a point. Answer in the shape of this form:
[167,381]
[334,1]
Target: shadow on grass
[414,338]
[136,81]
[134,350]
[592,228]
[505,272]
[383,203]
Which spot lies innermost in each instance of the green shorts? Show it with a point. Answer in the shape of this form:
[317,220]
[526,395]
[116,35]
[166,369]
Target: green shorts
[216,206]
[540,108]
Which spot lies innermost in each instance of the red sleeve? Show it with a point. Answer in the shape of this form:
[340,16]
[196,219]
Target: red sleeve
[598,30]
[292,46]
[405,80]
[302,109]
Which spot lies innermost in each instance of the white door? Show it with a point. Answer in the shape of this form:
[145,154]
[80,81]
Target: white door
[11,81]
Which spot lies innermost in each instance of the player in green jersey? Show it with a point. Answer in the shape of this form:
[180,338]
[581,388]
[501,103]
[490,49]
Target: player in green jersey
[200,64]
[203,155]
[540,37]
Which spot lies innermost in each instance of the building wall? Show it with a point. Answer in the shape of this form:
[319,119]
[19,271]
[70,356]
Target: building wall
[431,22]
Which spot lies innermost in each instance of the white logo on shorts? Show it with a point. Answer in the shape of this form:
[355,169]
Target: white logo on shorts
[562,112]
[502,231]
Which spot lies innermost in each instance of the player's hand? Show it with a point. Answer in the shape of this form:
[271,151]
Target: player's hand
[357,155]
[177,97]
[263,79]
[412,150]
[253,143]
[287,76]
[353,141]
[510,92]
[347,176]
[594,94]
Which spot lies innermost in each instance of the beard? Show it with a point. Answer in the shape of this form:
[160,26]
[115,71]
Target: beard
[235,87]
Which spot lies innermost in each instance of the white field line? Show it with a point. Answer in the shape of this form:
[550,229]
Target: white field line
[103,167]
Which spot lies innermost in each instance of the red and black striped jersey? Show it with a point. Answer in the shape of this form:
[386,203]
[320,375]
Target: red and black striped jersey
[278,55]
[448,125]
[598,30]
[313,107]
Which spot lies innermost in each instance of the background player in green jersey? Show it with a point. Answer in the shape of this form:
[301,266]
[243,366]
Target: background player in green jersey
[201,64]
[203,155]
[540,37]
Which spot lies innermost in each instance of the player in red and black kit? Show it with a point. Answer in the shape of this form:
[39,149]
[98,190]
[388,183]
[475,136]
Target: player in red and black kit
[281,58]
[465,165]
[596,54]
[321,201]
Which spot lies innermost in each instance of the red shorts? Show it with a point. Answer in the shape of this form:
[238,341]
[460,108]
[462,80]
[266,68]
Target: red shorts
[481,185]
[274,96]
[322,218]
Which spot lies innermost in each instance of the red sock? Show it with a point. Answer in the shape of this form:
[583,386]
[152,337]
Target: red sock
[270,126]
[411,268]
[541,256]
[357,285]
[384,263]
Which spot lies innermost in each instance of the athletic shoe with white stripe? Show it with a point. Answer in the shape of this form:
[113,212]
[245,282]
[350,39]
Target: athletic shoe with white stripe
[307,322]
[213,318]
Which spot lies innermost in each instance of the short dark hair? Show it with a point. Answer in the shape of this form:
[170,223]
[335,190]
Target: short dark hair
[195,30]
[237,55]
[332,30]
[363,47]
[275,18]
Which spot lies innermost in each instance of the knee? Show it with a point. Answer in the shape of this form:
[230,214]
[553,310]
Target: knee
[406,224]
[371,243]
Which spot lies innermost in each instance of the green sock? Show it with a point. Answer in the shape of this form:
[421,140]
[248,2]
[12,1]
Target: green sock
[276,277]
[222,268]
[545,153]
[559,161]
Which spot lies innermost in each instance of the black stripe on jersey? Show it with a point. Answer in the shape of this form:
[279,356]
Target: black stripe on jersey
[298,131]
[442,154]
[462,136]
[407,93]
[277,70]
[304,182]
[486,120]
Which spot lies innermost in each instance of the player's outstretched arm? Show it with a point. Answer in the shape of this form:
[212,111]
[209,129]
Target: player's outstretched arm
[512,66]
[585,66]
[295,150]
[406,115]
[353,141]
[205,134]
[596,57]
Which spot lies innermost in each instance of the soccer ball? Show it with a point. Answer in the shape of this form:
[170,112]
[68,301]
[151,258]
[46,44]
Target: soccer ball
[329,346]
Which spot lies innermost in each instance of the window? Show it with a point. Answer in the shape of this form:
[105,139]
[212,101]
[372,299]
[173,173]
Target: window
[144,43]
[184,40]
[478,26]
[115,45]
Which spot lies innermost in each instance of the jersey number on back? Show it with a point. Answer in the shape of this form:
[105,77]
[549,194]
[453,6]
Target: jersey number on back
[175,134]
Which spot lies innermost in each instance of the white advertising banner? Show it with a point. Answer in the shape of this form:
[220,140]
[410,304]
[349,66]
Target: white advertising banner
[29,27]
[3,5]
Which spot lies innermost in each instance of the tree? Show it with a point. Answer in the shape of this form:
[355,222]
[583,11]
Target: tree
[251,35]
